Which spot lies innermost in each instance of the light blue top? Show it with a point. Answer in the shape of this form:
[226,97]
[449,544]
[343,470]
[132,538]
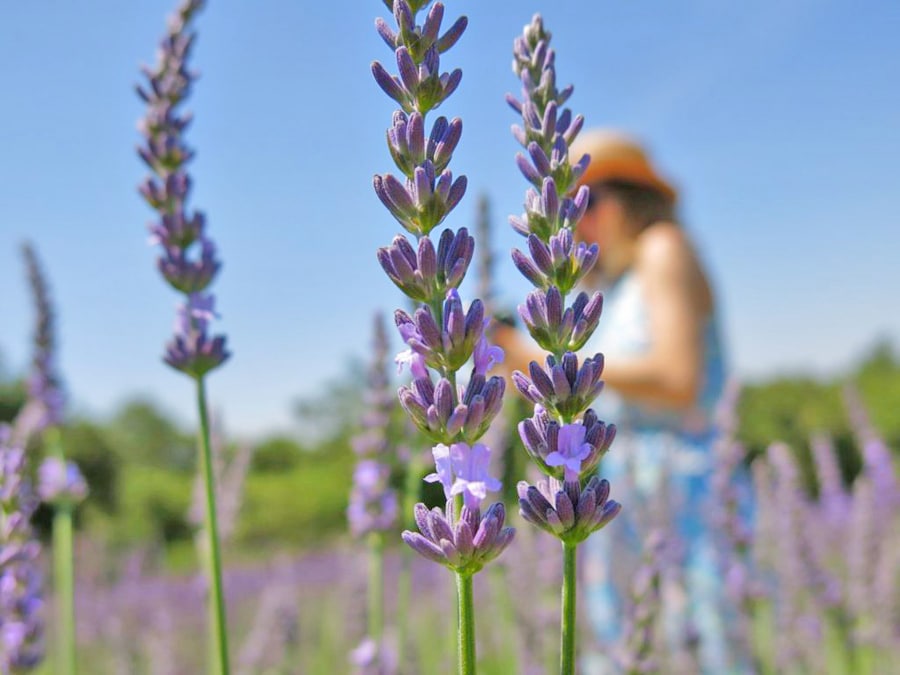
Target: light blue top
[624,331]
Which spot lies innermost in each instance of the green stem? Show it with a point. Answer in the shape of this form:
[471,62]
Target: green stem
[63,569]
[64,576]
[567,651]
[216,597]
[410,494]
[376,588]
[466,629]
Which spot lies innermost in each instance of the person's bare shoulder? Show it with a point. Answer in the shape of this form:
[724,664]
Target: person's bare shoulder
[664,249]
[666,261]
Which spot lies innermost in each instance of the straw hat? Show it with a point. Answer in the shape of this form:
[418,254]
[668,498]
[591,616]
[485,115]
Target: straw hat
[616,156]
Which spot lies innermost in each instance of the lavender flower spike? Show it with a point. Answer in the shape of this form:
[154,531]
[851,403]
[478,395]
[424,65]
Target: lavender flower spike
[188,260]
[46,399]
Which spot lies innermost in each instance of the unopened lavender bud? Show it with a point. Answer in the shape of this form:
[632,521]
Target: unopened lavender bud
[443,141]
[450,38]
[391,86]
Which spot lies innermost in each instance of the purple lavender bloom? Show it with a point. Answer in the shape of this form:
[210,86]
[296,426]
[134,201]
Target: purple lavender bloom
[60,482]
[431,407]
[465,545]
[21,605]
[565,509]
[439,335]
[559,329]
[571,451]
[188,261]
[373,503]
[191,350]
[427,273]
[541,436]
[445,342]
[46,399]
[464,470]
[562,388]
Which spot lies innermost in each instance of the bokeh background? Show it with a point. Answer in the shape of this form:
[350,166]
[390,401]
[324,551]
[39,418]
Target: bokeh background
[778,122]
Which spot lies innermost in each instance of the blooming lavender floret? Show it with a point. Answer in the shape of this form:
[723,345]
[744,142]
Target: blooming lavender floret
[465,545]
[462,469]
[565,509]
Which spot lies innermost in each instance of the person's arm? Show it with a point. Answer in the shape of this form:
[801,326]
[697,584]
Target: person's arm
[670,373]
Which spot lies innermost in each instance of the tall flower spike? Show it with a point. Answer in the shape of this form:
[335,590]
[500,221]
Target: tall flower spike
[188,260]
[188,263]
[440,334]
[46,399]
[563,446]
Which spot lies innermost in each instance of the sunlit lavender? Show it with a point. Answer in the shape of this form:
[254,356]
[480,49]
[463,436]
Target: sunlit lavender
[415,519]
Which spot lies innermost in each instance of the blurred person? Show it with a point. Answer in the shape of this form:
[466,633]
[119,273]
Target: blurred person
[663,374]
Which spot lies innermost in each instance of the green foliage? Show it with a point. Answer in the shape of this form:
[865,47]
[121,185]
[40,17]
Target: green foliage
[878,381]
[793,409]
[277,453]
[12,398]
[140,432]
[301,506]
[153,506]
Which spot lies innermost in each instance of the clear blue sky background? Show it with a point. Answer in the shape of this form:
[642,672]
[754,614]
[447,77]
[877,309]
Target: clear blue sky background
[779,120]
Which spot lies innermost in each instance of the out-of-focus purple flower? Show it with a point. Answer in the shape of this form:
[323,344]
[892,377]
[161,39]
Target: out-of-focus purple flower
[46,399]
[373,503]
[188,260]
[191,350]
[60,482]
[465,545]
[21,605]
[565,509]
[638,637]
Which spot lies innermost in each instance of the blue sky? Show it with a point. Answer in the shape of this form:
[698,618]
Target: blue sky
[778,120]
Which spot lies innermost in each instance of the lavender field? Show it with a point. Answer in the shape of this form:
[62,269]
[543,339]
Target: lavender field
[430,507]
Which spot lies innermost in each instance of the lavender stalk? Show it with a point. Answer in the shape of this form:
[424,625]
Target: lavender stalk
[564,447]
[441,336]
[188,263]
[61,484]
[373,503]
